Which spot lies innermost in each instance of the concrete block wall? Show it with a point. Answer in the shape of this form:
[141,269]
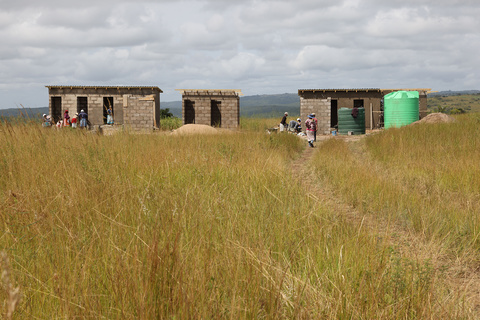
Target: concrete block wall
[139,113]
[322,110]
[138,107]
[229,108]
[202,110]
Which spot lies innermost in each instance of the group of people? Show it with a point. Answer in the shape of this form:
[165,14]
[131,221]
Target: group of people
[311,125]
[81,118]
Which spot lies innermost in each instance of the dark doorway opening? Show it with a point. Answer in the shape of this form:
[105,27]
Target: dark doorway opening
[107,103]
[56,108]
[333,113]
[358,103]
[189,111]
[216,115]
[82,104]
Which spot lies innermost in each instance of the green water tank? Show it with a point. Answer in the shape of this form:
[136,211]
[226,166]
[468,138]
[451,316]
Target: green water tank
[401,108]
[348,123]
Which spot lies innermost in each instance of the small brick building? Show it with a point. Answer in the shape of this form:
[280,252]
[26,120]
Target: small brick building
[218,108]
[136,107]
[326,102]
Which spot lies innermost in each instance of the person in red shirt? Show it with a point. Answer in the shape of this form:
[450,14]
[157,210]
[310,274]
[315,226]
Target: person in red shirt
[74,121]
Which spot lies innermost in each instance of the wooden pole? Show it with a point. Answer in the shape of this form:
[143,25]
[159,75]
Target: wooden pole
[371,116]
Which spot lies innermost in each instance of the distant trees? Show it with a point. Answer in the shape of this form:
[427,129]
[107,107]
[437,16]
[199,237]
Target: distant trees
[165,113]
[449,110]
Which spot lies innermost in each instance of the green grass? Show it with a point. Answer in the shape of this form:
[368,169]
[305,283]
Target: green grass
[179,227]
[467,102]
[167,124]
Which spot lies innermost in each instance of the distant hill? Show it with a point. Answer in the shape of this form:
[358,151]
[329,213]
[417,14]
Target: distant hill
[453,93]
[175,107]
[269,105]
[459,102]
[28,112]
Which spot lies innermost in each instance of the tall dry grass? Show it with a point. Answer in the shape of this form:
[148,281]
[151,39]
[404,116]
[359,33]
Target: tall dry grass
[425,176]
[157,226]
[424,179]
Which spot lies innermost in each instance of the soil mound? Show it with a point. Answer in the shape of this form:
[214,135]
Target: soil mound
[195,129]
[436,118]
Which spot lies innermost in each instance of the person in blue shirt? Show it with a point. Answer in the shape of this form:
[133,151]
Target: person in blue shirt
[110,116]
[83,119]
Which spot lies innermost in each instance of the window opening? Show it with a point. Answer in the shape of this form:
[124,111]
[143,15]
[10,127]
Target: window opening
[107,103]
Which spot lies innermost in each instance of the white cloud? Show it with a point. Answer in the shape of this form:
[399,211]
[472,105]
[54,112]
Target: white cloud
[260,46]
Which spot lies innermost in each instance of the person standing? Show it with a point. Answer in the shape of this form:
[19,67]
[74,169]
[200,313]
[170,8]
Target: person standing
[83,118]
[283,123]
[110,116]
[311,127]
[316,126]
[66,119]
[74,120]
[355,112]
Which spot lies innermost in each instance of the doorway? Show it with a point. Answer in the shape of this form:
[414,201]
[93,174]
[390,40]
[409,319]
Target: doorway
[189,111]
[56,108]
[82,104]
[107,103]
[216,115]
[333,113]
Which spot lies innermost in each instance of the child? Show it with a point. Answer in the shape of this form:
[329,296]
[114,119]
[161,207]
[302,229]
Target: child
[110,116]
[74,121]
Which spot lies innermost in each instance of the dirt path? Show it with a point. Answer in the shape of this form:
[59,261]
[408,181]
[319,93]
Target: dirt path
[461,277]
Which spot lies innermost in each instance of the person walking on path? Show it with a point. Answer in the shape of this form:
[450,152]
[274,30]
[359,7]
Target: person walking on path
[316,127]
[66,119]
[311,127]
[283,123]
[110,116]
[83,119]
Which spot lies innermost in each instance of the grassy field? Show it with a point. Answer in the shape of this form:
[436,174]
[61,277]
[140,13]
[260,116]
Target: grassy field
[137,226]
[467,102]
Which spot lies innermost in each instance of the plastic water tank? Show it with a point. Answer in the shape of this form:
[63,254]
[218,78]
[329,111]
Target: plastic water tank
[346,122]
[401,108]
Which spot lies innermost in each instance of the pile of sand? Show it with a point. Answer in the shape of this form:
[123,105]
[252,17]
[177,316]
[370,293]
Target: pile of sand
[195,129]
[436,118]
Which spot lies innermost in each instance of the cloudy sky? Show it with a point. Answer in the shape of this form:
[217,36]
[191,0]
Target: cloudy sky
[259,46]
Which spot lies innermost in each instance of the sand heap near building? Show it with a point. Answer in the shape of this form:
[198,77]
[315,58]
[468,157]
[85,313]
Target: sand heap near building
[195,129]
[436,118]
